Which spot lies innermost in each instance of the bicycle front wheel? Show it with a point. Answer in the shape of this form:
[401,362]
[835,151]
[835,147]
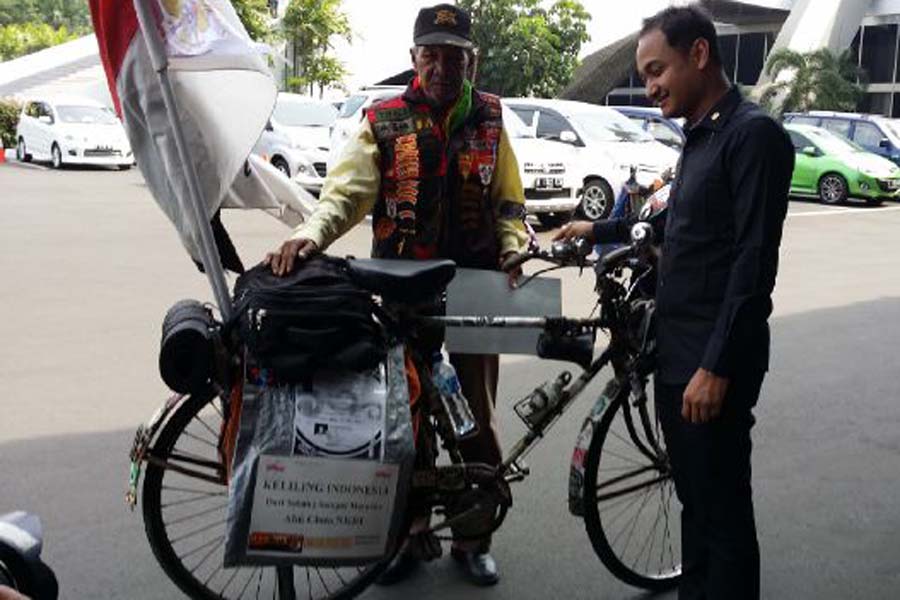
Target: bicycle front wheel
[631,512]
[185,503]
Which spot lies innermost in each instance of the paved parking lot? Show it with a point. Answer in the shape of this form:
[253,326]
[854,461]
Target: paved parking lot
[90,266]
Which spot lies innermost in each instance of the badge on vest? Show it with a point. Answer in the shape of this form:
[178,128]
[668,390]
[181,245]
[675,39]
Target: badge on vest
[486,172]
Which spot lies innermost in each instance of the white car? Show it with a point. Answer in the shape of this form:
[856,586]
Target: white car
[352,112]
[601,145]
[545,170]
[71,131]
[296,140]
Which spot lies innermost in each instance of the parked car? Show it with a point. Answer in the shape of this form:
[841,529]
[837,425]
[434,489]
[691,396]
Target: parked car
[874,133]
[832,168]
[650,119]
[545,171]
[71,130]
[352,112]
[602,147]
[296,139]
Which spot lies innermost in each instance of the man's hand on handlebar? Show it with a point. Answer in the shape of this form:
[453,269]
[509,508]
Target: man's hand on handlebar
[282,260]
[576,229]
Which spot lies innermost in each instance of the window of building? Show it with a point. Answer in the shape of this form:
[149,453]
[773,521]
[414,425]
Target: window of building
[878,104]
[838,126]
[750,57]
[867,135]
[879,49]
[854,47]
[618,100]
[728,48]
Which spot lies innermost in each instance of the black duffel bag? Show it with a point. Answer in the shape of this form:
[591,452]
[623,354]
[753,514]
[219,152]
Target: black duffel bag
[311,318]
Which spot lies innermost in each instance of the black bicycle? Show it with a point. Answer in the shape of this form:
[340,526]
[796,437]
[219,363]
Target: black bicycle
[620,479]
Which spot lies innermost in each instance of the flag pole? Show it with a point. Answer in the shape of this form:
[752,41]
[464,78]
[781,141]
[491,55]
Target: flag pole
[209,255]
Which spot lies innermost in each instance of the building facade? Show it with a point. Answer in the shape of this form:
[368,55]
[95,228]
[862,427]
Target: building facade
[746,40]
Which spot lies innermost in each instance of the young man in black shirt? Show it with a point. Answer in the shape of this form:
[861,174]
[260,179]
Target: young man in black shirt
[717,270]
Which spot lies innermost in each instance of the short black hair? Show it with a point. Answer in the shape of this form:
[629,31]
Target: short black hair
[682,26]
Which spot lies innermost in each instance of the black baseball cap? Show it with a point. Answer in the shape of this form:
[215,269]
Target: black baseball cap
[443,25]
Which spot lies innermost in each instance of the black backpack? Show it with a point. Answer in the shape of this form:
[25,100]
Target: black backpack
[314,317]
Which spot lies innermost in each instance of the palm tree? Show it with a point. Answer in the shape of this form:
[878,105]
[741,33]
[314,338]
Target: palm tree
[822,80]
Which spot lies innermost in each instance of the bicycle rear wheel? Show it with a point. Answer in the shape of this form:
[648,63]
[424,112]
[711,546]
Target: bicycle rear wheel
[185,499]
[632,515]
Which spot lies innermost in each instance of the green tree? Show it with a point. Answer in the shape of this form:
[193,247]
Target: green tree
[72,14]
[310,26]
[525,49]
[254,14]
[18,40]
[822,80]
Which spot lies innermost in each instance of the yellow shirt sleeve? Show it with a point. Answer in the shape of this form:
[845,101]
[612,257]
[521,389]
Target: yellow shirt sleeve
[349,193]
[509,199]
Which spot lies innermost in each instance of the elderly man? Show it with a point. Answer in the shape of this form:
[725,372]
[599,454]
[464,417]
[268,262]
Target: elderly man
[435,169]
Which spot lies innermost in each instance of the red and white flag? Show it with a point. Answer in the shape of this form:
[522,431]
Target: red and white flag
[225,94]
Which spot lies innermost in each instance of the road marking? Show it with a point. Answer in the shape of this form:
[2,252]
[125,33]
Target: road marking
[842,211]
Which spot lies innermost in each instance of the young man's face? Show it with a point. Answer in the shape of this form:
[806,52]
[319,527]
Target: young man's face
[441,71]
[673,78]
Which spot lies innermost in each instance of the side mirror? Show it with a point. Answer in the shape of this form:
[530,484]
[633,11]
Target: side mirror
[568,137]
[884,143]
[46,119]
[810,151]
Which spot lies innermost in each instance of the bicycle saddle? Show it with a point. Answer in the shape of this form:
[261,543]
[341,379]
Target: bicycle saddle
[402,280]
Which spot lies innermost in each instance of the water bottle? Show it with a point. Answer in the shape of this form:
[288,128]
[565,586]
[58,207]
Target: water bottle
[456,407]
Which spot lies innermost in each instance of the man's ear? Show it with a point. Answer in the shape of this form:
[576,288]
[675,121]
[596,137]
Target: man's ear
[700,53]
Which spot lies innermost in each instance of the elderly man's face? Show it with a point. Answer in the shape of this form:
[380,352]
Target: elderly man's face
[441,71]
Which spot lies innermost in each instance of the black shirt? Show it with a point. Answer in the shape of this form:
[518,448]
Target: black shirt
[720,243]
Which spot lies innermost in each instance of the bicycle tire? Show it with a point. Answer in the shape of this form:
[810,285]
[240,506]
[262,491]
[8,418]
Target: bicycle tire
[264,580]
[659,488]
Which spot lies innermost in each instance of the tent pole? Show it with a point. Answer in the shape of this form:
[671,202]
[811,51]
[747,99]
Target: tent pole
[209,255]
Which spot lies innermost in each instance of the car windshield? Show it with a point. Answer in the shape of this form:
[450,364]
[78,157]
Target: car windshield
[91,115]
[304,114]
[831,143]
[893,129]
[351,105]
[603,126]
[515,127]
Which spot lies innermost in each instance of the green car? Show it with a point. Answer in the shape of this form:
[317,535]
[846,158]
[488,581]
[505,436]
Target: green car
[832,168]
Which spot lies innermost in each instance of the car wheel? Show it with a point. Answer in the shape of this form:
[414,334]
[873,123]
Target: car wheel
[281,164]
[22,152]
[832,189]
[56,157]
[596,200]
[552,220]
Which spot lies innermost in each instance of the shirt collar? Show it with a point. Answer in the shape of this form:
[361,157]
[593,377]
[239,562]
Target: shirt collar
[716,118]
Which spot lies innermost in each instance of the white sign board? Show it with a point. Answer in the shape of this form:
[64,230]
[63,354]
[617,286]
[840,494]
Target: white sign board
[319,508]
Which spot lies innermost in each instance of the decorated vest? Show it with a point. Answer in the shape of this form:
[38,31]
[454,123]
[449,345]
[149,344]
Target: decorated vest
[434,200]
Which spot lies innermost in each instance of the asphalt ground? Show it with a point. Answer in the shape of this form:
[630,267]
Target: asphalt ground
[90,265]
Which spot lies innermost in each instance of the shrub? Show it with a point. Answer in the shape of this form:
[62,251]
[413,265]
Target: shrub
[9,118]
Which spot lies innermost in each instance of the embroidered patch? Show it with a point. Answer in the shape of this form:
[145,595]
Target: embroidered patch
[384,228]
[512,211]
[486,172]
[465,164]
[387,129]
[445,17]
[391,114]
[406,157]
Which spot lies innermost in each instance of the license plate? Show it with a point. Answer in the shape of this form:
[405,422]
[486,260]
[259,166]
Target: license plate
[548,183]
